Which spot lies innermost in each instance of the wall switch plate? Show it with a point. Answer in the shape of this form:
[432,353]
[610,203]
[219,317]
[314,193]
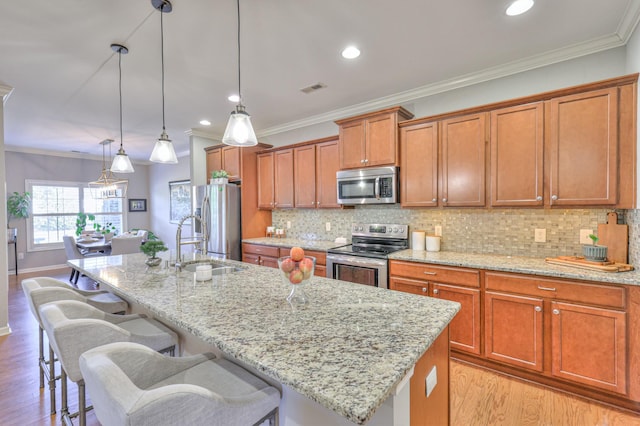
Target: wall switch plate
[540,235]
[288,224]
[438,230]
[431,381]
[584,236]
[327,226]
[20,256]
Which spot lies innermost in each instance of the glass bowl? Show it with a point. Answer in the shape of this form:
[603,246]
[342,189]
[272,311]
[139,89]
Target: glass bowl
[296,274]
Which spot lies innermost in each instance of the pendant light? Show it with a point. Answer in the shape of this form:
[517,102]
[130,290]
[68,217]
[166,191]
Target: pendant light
[121,162]
[163,151]
[239,131]
[107,186]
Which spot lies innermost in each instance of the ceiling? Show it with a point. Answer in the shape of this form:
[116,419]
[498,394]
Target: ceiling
[56,56]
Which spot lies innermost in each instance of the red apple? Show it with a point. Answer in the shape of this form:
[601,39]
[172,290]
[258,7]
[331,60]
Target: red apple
[296,276]
[297,254]
[287,265]
[306,266]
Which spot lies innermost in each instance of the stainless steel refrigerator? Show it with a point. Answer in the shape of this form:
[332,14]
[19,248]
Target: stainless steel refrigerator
[219,207]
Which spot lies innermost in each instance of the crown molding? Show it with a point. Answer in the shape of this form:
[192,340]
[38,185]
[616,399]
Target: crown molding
[202,134]
[5,92]
[629,21]
[559,55]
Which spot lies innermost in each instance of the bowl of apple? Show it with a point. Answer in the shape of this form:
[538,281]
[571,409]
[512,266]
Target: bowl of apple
[297,269]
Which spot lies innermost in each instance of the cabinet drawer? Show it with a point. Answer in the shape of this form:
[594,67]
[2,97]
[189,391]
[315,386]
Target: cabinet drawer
[562,290]
[321,256]
[409,286]
[260,249]
[439,274]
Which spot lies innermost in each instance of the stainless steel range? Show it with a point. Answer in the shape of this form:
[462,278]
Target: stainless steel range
[365,260]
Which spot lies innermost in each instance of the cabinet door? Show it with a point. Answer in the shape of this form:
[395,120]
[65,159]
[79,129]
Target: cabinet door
[352,149]
[419,165]
[464,330]
[231,162]
[517,155]
[305,176]
[381,137]
[214,161]
[283,181]
[583,133]
[513,330]
[327,165]
[589,346]
[463,161]
[265,181]
[409,286]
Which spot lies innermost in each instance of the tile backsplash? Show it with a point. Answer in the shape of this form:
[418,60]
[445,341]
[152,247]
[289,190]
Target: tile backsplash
[496,231]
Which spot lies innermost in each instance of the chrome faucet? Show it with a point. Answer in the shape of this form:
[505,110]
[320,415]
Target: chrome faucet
[204,242]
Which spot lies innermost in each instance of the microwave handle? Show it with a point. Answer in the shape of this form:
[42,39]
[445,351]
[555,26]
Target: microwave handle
[377,188]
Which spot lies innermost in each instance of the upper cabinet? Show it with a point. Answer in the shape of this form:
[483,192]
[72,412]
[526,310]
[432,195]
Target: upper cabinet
[371,140]
[419,165]
[226,158]
[275,179]
[583,149]
[315,168]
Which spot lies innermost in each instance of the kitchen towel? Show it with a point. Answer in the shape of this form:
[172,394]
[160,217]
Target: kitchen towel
[433,243]
[417,240]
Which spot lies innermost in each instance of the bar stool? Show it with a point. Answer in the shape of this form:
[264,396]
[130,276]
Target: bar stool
[74,327]
[42,290]
[131,384]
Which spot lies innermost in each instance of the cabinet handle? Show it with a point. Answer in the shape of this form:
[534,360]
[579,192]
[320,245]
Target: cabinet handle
[435,290]
[554,197]
[434,200]
[366,160]
[539,198]
[430,273]
[538,309]
[547,288]
[317,203]
[444,200]
[362,161]
[556,312]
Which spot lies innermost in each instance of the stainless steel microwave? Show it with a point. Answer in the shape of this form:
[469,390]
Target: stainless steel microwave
[373,185]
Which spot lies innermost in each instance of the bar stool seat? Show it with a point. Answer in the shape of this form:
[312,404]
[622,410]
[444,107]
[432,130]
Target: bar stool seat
[131,384]
[41,290]
[74,327]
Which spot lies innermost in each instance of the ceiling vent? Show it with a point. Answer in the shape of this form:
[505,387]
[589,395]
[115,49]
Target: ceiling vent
[313,88]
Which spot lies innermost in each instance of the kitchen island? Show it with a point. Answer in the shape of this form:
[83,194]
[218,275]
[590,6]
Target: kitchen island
[346,357]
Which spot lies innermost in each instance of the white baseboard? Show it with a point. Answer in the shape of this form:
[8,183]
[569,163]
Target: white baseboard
[5,330]
[40,269]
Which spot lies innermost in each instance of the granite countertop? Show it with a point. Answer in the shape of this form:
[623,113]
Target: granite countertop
[347,349]
[321,245]
[523,265]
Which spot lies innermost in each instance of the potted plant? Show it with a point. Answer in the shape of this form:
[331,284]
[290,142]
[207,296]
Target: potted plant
[108,230]
[151,248]
[594,252]
[18,207]
[81,222]
[219,176]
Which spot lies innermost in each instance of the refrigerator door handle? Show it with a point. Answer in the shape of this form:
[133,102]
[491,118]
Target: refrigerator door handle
[205,220]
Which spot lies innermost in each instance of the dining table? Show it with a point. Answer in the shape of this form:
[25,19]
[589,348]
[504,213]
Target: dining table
[93,244]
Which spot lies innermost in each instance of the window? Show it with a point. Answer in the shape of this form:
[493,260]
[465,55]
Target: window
[55,207]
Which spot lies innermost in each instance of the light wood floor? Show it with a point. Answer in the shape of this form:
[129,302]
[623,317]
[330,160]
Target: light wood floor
[478,397]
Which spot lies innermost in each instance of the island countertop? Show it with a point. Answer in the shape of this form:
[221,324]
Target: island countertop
[347,349]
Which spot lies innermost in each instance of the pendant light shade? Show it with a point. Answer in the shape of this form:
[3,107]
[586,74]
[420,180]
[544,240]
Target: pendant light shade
[121,162]
[107,185]
[163,151]
[239,131]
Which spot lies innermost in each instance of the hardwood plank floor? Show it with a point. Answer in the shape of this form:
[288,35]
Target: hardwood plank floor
[478,397]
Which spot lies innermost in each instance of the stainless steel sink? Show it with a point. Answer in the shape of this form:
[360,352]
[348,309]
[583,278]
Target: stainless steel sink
[217,268]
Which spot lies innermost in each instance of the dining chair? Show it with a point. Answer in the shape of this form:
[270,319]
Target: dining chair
[125,245]
[72,252]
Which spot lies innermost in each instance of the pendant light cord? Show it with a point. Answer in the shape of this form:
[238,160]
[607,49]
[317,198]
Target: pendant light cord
[239,87]
[120,90]
[162,59]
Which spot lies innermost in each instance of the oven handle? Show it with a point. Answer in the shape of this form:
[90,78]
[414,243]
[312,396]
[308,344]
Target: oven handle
[355,260]
[377,188]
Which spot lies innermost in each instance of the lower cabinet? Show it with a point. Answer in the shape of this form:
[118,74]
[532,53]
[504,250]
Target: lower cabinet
[264,255]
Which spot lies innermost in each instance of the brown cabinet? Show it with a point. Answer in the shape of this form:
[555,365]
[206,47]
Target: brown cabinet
[449,283]
[275,179]
[304,166]
[517,136]
[315,167]
[463,161]
[419,165]
[583,148]
[260,254]
[371,140]
[226,158]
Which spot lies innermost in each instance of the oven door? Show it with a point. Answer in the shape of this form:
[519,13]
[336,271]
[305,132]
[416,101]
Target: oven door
[358,269]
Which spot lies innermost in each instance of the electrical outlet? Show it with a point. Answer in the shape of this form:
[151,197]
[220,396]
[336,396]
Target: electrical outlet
[288,224]
[584,236]
[438,230]
[327,226]
[20,256]
[540,235]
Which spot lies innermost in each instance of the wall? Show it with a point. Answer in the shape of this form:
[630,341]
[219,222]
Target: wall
[21,166]
[4,269]
[633,218]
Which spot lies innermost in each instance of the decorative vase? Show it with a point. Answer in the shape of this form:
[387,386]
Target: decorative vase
[297,274]
[153,261]
[594,253]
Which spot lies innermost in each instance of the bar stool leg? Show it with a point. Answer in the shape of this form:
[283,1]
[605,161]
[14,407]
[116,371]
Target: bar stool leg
[52,379]
[41,355]
[64,409]
[82,411]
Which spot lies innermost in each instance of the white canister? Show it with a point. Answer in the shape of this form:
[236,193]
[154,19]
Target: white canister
[204,272]
[433,243]
[417,240]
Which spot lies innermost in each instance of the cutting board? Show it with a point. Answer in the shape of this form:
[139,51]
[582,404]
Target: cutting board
[615,237]
[580,262]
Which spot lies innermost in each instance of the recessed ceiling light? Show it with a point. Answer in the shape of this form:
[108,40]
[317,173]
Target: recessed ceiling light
[519,7]
[234,98]
[205,122]
[351,52]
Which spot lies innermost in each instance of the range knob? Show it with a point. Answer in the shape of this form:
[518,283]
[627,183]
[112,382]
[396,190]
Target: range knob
[395,230]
